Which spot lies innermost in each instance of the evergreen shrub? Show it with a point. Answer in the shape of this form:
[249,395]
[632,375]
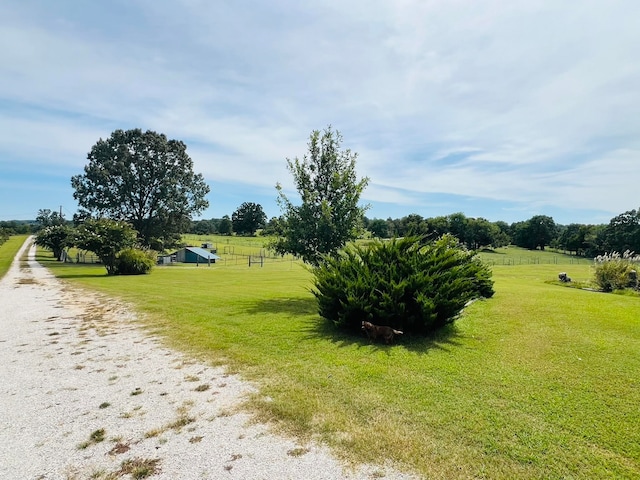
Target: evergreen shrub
[132,261]
[403,283]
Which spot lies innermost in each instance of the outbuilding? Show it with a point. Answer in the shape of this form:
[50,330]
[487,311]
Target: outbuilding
[195,255]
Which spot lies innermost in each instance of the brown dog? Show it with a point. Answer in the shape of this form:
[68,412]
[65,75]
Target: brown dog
[375,331]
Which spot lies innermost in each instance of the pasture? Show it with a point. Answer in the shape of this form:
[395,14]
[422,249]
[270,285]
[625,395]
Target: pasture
[541,381]
[8,251]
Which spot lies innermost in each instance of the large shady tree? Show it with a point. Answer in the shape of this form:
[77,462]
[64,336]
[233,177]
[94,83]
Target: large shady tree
[329,215]
[144,179]
[248,218]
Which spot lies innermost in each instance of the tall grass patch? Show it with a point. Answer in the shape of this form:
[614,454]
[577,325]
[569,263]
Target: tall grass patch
[614,271]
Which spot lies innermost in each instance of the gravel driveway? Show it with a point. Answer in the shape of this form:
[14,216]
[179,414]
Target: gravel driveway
[86,394]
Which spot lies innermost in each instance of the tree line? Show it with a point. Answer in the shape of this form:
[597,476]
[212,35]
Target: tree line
[621,234]
[147,181]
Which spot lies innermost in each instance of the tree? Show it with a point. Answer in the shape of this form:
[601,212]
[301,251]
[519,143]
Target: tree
[5,233]
[143,179]
[536,232]
[55,238]
[248,218]
[379,228]
[623,232]
[542,230]
[481,233]
[573,237]
[203,227]
[106,238]
[412,224]
[273,226]
[47,218]
[437,226]
[503,236]
[225,227]
[329,215]
[459,227]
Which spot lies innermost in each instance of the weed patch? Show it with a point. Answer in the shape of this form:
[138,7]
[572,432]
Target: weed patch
[140,468]
[96,436]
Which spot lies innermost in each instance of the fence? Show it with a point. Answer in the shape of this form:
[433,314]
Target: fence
[83,257]
[555,260]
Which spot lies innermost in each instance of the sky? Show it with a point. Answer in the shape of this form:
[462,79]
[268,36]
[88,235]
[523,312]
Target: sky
[496,109]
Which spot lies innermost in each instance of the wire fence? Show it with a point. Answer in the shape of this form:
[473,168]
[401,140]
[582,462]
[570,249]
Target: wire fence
[232,255]
[542,260]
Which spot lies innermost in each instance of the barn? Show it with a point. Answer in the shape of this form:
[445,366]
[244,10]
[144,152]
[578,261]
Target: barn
[195,255]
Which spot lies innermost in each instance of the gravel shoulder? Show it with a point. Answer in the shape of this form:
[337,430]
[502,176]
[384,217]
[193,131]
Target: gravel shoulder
[85,393]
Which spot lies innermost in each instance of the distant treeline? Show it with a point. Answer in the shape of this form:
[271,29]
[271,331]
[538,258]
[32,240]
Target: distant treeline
[622,233]
[15,227]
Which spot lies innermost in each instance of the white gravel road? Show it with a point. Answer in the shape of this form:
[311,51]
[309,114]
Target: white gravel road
[86,394]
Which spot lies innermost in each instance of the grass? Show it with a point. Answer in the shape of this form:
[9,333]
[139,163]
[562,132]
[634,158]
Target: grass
[538,382]
[521,256]
[96,436]
[8,251]
[139,467]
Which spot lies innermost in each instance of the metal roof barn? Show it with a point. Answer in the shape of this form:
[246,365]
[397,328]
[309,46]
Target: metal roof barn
[195,255]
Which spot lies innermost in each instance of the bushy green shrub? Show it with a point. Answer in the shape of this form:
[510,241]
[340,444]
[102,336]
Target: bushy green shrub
[106,238]
[613,271]
[132,261]
[403,283]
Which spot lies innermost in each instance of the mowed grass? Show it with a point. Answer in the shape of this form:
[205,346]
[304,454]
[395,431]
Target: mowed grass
[520,256]
[8,251]
[540,381]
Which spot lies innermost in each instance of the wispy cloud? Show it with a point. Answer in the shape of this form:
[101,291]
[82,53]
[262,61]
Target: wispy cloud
[532,105]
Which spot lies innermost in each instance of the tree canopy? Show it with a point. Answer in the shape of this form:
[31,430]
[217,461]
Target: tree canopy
[106,238]
[248,218]
[55,238]
[47,218]
[538,231]
[144,179]
[329,215]
[623,232]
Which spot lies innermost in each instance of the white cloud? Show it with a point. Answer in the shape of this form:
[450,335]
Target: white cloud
[515,102]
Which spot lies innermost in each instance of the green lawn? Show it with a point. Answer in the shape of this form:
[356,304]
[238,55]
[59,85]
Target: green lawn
[521,256]
[8,252]
[540,381]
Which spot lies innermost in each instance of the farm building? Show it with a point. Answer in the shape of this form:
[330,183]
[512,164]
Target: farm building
[195,255]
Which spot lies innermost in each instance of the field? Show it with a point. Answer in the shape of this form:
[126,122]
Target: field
[8,251]
[540,381]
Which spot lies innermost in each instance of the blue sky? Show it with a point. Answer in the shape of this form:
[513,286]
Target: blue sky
[497,109]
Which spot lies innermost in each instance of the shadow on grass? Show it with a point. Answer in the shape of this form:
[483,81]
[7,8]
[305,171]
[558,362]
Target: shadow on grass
[492,251]
[85,275]
[292,307]
[446,339]
[71,270]
[314,327]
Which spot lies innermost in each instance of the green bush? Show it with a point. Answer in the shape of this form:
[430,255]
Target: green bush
[403,283]
[132,261]
[612,270]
